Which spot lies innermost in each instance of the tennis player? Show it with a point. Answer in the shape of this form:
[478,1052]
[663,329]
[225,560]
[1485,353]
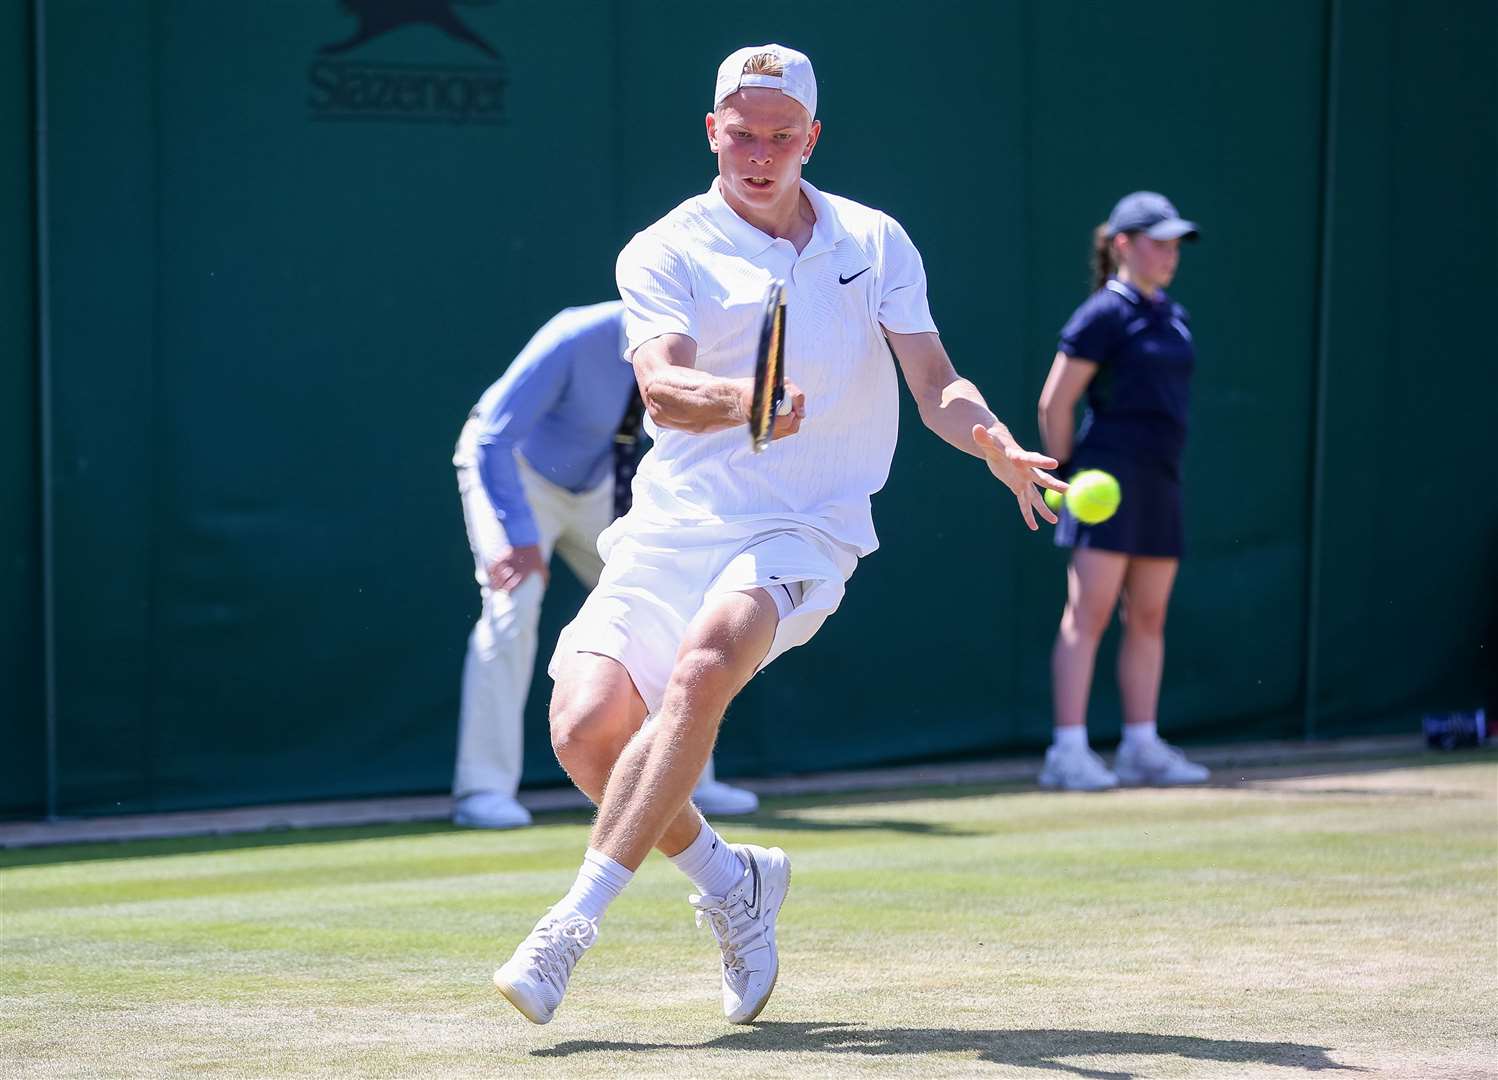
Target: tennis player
[544,465]
[1129,348]
[727,558]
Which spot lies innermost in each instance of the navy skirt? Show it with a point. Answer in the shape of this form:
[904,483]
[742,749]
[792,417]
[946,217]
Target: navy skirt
[1149,520]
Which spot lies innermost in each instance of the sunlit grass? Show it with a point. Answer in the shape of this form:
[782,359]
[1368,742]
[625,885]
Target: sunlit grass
[1270,928]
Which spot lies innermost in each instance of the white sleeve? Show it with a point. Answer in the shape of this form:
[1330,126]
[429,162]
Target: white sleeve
[655,284]
[902,284]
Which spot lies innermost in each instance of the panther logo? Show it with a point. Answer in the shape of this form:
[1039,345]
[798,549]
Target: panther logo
[379,17]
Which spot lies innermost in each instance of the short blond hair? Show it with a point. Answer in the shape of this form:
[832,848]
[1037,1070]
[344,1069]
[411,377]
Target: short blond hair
[764,63]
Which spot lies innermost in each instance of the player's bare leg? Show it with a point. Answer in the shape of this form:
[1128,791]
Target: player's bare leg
[595,711]
[654,776]
[1143,758]
[1141,655]
[1093,581]
[720,653]
[645,802]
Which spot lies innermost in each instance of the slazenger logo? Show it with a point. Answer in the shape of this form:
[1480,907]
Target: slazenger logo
[348,89]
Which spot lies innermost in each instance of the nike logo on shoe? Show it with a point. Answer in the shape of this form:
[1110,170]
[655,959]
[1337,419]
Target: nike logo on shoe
[844,280]
[753,902]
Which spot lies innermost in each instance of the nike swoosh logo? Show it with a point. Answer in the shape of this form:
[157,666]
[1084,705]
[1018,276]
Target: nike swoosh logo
[844,280]
[753,905]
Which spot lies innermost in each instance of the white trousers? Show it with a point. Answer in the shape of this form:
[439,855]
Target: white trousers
[502,647]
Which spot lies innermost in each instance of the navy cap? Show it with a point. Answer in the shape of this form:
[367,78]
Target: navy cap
[1151,213]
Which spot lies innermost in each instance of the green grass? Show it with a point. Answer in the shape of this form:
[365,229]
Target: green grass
[1285,925]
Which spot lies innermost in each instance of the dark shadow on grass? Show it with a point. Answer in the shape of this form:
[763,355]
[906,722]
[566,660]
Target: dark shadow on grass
[1224,777]
[1033,1049]
[89,851]
[786,820]
[778,812]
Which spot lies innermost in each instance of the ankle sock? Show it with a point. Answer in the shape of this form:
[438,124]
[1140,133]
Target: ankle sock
[1141,732]
[1071,737]
[710,863]
[600,880]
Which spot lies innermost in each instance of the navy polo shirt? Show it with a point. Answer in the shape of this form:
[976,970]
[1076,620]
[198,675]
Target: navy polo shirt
[1137,403]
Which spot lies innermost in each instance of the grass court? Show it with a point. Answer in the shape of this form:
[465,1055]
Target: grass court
[1289,922]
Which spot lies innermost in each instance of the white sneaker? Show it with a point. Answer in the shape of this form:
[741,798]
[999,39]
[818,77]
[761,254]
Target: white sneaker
[716,799]
[1075,769]
[489,810]
[744,924]
[1154,761]
[535,978]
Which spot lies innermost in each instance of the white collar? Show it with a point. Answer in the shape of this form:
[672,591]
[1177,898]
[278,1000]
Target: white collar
[752,241]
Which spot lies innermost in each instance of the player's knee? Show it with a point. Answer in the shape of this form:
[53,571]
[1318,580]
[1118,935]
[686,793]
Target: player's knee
[581,732]
[1144,618]
[1083,621]
[706,674]
[588,720]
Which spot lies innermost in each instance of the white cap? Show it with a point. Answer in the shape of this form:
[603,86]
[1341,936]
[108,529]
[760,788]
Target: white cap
[797,81]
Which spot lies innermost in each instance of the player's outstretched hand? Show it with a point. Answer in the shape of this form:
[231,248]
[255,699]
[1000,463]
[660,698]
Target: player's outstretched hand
[516,564]
[792,412]
[1020,469]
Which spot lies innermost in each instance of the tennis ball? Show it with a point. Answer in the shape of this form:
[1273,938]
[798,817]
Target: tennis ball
[1053,500]
[1093,496]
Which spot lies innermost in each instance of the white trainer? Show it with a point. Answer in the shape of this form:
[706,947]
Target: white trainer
[1154,761]
[744,924]
[1075,769]
[490,810]
[535,978]
[717,799]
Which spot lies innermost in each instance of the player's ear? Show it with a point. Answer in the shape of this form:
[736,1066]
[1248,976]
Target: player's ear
[811,138]
[712,132]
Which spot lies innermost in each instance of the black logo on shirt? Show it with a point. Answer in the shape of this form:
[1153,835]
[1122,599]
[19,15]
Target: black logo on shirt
[844,280]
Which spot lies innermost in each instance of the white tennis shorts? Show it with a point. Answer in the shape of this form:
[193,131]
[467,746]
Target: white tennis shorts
[655,581]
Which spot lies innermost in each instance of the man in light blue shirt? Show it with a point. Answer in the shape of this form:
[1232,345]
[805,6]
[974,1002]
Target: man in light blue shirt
[543,464]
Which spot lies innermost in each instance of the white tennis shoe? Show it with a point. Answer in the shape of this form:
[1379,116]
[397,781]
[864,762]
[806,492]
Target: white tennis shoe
[1075,768]
[744,924]
[717,799]
[1154,761]
[535,978]
[490,810]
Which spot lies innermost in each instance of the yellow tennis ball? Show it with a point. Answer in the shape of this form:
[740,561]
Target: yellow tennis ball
[1053,500]
[1093,496]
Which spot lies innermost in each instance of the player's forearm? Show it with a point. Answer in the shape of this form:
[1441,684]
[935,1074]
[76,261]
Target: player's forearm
[690,400]
[953,411]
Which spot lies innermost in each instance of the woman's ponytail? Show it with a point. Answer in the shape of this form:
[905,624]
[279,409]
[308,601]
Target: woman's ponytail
[1103,261]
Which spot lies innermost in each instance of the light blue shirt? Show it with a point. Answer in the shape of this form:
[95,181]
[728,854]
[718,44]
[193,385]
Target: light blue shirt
[559,404]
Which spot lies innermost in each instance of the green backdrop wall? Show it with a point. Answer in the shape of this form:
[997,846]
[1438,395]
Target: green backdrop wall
[22,715]
[282,270]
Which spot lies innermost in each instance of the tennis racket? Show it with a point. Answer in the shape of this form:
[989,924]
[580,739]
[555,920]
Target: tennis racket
[769,371]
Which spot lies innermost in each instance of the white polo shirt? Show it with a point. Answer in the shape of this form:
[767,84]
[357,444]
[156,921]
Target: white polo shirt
[703,271]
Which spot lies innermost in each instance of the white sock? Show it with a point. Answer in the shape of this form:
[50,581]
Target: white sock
[710,863]
[1144,731]
[600,880]
[1071,737]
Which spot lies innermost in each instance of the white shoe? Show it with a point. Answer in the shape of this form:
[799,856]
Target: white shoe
[744,924]
[716,799]
[489,810]
[1154,761]
[1075,769]
[535,978]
